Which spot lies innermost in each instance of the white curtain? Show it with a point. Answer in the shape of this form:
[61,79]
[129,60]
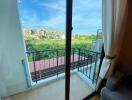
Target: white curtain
[114,15]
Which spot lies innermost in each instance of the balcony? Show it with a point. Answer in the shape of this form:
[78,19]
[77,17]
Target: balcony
[55,90]
[47,73]
[49,63]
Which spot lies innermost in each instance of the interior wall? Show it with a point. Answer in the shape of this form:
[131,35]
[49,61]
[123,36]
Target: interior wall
[12,51]
[126,50]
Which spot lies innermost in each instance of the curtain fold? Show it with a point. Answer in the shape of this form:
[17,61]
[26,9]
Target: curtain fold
[113,18]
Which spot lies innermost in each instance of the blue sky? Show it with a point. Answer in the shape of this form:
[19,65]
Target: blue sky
[51,14]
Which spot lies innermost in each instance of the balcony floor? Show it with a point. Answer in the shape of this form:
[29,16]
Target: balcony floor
[56,90]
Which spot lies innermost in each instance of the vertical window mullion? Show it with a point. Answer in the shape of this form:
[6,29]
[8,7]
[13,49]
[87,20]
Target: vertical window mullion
[68,47]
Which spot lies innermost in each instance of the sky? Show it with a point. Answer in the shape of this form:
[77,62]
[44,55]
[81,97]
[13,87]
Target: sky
[51,14]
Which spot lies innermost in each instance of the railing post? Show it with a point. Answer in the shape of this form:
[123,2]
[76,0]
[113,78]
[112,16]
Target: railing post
[91,59]
[57,62]
[87,63]
[73,54]
[78,58]
[83,61]
[34,66]
[48,52]
[73,59]
[94,73]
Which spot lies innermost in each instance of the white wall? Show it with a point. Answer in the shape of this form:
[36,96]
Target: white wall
[12,78]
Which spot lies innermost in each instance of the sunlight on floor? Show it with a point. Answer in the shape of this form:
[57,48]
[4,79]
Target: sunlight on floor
[56,91]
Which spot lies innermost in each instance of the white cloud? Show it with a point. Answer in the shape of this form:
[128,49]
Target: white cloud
[86,15]
[59,5]
[56,22]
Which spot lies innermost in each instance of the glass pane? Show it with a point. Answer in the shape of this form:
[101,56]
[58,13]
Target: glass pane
[86,44]
[43,25]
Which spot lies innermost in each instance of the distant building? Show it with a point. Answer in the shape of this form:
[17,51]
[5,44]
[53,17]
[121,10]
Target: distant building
[59,35]
[27,31]
[42,33]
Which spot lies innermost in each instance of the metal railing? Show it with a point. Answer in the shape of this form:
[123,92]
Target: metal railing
[44,64]
[88,64]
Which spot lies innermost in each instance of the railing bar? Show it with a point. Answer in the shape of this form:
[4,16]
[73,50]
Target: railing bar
[43,63]
[40,69]
[78,59]
[81,63]
[44,50]
[53,59]
[57,63]
[34,67]
[90,50]
[49,60]
[87,65]
[91,66]
[61,58]
[73,58]
[84,58]
[60,49]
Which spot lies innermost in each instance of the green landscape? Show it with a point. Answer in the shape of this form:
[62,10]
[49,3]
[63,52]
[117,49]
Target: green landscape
[49,42]
[44,44]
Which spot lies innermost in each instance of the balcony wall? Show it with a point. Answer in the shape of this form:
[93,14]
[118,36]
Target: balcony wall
[12,78]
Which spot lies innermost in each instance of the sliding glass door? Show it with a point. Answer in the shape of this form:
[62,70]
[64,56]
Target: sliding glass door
[86,45]
[63,40]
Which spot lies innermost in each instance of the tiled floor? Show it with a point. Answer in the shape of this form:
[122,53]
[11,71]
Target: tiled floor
[55,91]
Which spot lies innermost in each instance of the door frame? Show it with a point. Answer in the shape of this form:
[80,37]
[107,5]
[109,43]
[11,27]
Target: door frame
[69,4]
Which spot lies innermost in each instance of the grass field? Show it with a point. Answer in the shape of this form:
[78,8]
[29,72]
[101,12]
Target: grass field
[57,44]
[51,44]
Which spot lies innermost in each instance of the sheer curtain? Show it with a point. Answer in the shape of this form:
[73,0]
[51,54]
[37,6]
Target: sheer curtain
[114,14]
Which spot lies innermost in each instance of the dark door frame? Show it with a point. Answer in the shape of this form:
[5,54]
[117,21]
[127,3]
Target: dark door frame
[69,9]
[68,47]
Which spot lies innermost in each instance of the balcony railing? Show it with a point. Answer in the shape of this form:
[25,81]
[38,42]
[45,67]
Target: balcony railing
[44,64]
